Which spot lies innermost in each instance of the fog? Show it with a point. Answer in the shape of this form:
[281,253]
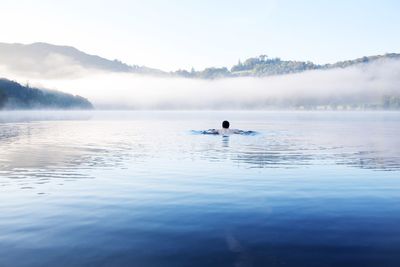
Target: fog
[106,90]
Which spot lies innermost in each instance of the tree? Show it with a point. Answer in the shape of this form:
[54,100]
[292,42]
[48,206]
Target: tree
[263,57]
[3,98]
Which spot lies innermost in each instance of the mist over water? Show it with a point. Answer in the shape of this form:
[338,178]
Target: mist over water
[359,84]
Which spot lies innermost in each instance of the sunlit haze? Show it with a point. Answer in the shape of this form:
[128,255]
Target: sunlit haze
[182,34]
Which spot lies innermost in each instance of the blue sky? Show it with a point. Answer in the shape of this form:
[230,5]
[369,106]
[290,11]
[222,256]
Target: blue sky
[172,34]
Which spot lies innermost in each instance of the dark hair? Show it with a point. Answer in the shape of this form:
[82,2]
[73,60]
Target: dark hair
[225,124]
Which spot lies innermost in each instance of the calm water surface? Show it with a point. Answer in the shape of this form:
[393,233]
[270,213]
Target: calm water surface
[140,189]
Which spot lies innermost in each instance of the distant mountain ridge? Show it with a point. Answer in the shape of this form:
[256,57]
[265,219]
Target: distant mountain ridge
[36,56]
[44,58]
[38,51]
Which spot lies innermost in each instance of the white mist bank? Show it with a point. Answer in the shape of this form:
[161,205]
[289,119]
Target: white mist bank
[363,83]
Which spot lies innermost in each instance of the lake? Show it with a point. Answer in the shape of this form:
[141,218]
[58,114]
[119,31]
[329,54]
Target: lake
[139,188]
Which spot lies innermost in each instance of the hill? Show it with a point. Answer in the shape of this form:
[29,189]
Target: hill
[54,60]
[15,96]
[263,66]
[48,60]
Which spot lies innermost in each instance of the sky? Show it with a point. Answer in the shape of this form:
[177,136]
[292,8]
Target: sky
[178,34]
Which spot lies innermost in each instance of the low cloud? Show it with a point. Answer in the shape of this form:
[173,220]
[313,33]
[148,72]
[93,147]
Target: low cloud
[359,84]
[52,66]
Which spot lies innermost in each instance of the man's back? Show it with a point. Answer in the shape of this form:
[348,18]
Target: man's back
[225,131]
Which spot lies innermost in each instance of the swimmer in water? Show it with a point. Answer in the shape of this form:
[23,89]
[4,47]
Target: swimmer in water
[225,129]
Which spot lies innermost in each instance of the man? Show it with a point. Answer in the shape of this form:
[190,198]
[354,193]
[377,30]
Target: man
[225,129]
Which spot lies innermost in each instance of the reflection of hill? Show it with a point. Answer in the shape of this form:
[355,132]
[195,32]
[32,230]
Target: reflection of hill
[282,151]
[293,159]
[257,152]
[273,159]
[373,160]
[28,159]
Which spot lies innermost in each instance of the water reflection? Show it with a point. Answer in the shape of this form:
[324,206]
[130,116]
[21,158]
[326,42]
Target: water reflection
[43,115]
[39,152]
[373,160]
[34,154]
[273,159]
[294,150]
[287,158]
[225,141]
[148,193]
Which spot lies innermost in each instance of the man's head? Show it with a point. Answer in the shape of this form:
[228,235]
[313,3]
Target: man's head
[225,124]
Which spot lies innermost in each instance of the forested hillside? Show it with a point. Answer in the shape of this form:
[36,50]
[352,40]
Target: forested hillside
[15,96]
